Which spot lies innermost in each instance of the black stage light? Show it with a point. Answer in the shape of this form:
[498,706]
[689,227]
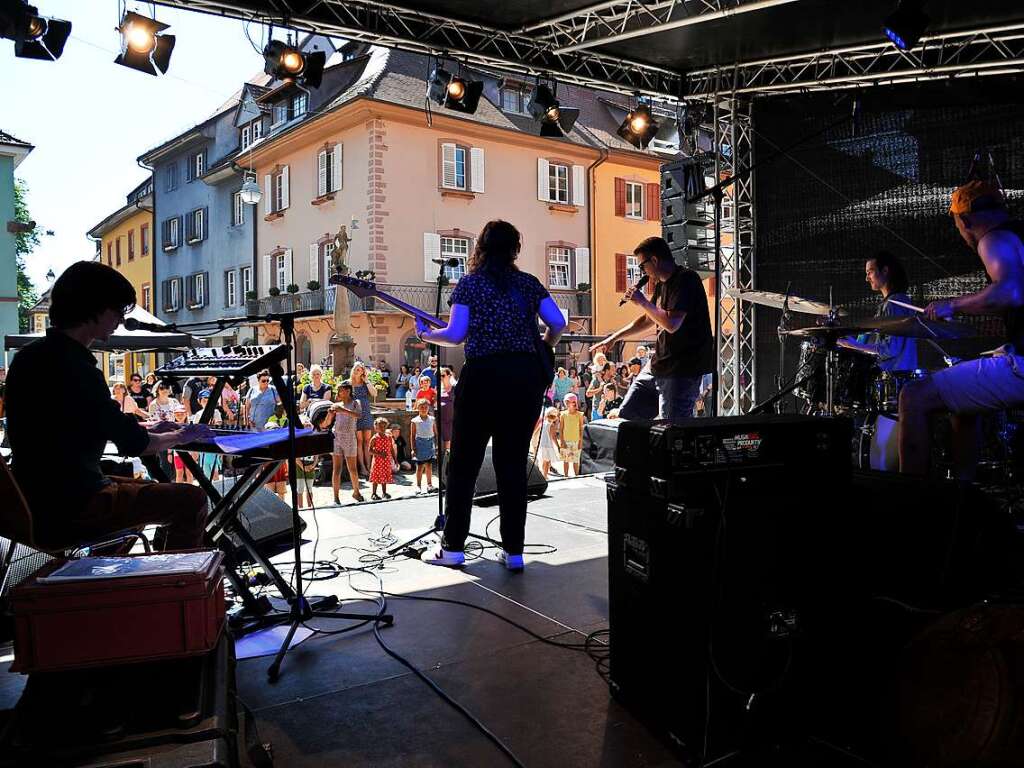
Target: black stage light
[639,127]
[34,36]
[555,120]
[143,46]
[286,62]
[454,92]
[906,24]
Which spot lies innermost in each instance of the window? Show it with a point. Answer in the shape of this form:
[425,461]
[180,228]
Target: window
[172,233]
[558,183]
[171,177]
[328,166]
[144,239]
[281,271]
[40,323]
[110,257]
[147,297]
[453,166]
[457,247]
[257,128]
[280,114]
[278,191]
[634,200]
[632,269]
[246,280]
[325,251]
[230,288]
[251,132]
[246,136]
[117,251]
[131,245]
[300,103]
[559,267]
[196,223]
[196,166]
[197,290]
[237,209]
[172,294]
[514,100]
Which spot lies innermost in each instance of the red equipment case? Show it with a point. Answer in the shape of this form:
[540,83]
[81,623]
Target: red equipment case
[116,621]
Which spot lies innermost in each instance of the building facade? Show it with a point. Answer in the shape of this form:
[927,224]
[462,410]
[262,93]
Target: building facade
[12,152]
[125,241]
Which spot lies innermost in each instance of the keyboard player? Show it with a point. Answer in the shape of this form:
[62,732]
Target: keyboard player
[56,450]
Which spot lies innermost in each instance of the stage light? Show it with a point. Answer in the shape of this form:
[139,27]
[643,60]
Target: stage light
[285,62]
[639,127]
[34,36]
[454,92]
[555,120]
[906,24]
[250,192]
[143,45]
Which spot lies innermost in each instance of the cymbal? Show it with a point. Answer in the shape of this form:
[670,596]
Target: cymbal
[778,300]
[915,327]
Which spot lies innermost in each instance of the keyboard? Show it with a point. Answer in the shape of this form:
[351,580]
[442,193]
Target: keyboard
[237,361]
[270,444]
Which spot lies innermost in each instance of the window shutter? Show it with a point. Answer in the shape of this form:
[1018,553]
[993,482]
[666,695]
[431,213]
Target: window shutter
[284,187]
[206,288]
[165,227]
[227,296]
[265,283]
[337,168]
[190,290]
[206,224]
[652,203]
[181,228]
[268,197]
[620,272]
[448,165]
[321,173]
[582,265]
[287,268]
[579,185]
[165,293]
[177,303]
[314,263]
[542,180]
[431,250]
[476,169]
[188,168]
[620,197]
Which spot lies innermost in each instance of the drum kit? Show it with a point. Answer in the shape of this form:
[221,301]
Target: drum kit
[836,380]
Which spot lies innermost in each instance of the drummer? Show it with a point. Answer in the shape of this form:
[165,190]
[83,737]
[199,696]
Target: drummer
[990,383]
[886,275]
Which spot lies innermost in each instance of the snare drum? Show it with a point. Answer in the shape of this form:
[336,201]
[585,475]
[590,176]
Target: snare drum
[886,388]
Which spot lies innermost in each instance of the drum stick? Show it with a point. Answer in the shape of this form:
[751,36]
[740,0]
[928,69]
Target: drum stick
[905,305]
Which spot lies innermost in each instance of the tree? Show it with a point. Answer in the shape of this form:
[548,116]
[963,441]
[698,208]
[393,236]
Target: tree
[24,244]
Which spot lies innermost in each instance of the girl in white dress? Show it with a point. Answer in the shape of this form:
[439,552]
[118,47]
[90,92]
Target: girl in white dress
[547,450]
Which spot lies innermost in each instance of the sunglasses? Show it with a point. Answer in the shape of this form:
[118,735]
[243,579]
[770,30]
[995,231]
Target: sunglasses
[264,381]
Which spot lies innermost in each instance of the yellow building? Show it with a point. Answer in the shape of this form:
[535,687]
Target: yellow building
[125,242]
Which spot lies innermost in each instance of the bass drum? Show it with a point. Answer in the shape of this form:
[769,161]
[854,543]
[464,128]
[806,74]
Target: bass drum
[854,376]
[878,443]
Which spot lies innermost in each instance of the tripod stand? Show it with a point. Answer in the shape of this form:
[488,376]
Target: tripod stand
[300,609]
[435,350]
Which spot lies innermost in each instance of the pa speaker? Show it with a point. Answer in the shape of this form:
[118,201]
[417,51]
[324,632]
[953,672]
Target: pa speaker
[267,519]
[486,491]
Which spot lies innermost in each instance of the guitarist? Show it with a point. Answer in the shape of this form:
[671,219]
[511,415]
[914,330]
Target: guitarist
[493,311]
[669,383]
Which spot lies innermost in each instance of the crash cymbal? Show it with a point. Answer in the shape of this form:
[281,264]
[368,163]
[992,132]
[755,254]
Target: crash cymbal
[915,327]
[778,300]
[825,331]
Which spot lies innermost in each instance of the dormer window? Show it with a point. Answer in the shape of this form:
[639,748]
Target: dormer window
[251,132]
[280,113]
[514,99]
[300,105]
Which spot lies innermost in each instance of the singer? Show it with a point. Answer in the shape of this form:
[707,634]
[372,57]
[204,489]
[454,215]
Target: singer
[669,383]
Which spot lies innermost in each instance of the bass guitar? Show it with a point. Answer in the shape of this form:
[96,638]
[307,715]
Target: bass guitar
[365,288]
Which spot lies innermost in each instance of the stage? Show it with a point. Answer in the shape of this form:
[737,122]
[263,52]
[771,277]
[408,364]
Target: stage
[342,701]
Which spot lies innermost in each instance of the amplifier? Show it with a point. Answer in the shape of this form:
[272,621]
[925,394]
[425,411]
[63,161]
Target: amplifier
[662,448]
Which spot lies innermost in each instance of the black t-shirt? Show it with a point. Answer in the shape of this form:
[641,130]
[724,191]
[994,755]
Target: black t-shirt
[140,398]
[317,393]
[690,350]
[499,322]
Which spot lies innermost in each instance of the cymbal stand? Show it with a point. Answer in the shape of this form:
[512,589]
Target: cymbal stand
[782,331]
[831,358]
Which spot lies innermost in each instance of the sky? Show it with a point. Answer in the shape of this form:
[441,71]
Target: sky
[89,119]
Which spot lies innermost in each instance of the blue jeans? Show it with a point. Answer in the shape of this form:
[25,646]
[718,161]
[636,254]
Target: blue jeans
[662,397]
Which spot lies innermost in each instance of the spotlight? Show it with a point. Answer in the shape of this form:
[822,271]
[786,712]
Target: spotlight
[639,127]
[906,24]
[454,92]
[285,62]
[143,46]
[34,36]
[251,193]
[555,120]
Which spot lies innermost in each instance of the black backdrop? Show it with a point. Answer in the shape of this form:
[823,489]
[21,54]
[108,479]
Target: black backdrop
[880,181]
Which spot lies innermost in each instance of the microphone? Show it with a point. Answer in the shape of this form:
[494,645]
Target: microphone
[452,262]
[131,324]
[639,286]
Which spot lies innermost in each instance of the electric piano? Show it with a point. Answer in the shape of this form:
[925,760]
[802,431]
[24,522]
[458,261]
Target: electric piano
[235,361]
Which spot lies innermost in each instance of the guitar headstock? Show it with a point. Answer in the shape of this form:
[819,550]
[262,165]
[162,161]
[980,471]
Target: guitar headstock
[358,286]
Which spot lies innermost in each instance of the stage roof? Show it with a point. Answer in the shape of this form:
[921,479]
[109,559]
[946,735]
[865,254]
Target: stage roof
[573,38]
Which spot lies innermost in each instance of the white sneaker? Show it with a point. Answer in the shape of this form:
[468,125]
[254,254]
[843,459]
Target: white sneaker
[439,556]
[512,562]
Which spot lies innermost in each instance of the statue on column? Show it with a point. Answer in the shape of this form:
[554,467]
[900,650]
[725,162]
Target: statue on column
[343,344]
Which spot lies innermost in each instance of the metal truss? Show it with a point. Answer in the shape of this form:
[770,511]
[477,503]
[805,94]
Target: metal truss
[627,19]
[969,53]
[734,139]
[393,26]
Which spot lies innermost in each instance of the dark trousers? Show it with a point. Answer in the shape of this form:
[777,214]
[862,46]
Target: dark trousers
[498,398]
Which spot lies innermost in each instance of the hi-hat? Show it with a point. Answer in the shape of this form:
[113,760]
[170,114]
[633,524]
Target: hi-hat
[914,327]
[778,301]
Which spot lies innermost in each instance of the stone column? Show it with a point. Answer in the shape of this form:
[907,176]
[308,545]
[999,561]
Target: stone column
[342,352]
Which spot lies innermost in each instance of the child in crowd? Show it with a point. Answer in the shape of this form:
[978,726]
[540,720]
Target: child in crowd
[181,474]
[279,419]
[571,434]
[382,451]
[402,460]
[163,406]
[547,448]
[610,401]
[423,438]
[426,392]
[208,462]
[346,411]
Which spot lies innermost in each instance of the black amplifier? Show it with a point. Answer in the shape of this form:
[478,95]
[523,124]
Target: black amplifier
[662,449]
